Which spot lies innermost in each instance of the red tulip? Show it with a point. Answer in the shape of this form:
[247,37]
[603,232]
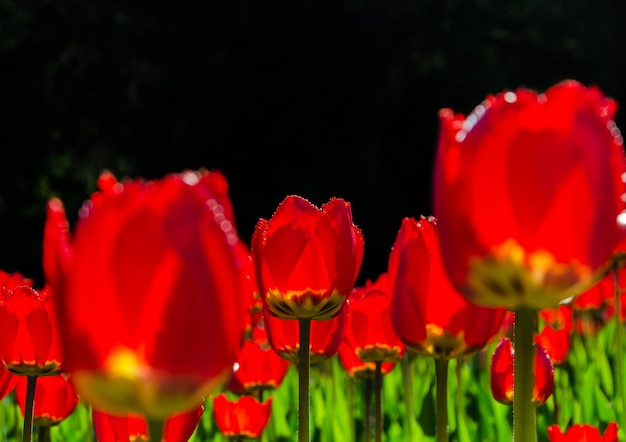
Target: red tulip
[427,312]
[55,399]
[113,428]
[368,329]
[325,336]
[8,281]
[555,333]
[29,342]
[259,367]
[57,248]
[244,417]
[596,296]
[7,382]
[156,269]
[358,369]
[556,343]
[583,433]
[527,191]
[307,258]
[502,379]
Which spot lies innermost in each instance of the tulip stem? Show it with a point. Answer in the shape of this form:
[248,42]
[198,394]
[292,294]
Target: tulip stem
[378,387]
[155,429]
[408,395]
[524,417]
[618,343]
[441,385]
[367,427]
[461,414]
[29,408]
[304,368]
[43,434]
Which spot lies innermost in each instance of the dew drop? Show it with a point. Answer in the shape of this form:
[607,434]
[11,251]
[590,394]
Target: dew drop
[510,97]
[190,178]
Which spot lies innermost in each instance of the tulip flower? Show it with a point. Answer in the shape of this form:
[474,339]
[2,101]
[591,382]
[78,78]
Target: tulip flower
[583,433]
[7,382]
[556,342]
[259,367]
[158,265]
[9,281]
[502,378]
[29,340]
[358,369]
[589,308]
[324,340]
[306,261]
[29,344]
[113,428]
[243,417]
[554,335]
[370,335]
[528,190]
[428,314]
[307,258]
[368,323]
[55,399]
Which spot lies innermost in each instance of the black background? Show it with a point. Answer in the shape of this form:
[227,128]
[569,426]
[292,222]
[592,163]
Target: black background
[321,99]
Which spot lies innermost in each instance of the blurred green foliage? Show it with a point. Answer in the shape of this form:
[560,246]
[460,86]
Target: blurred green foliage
[584,394]
[326,98]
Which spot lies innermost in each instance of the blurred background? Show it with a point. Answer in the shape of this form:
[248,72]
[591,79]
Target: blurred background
[321,99]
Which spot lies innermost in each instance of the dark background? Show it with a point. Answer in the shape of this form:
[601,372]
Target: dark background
[321,99]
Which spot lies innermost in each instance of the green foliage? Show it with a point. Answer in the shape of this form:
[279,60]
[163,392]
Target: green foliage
[584,393]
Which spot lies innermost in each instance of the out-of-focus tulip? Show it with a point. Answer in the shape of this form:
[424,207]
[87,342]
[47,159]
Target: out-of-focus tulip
[428,314]
[159,266]
[307,258]
[244,417]
[583,433]
[259,367]
[29,341]
[527,191]
[556,342]
[595,297]
[358,369]
[119,428]
[502,379]
[368,329]
[325,336]
[8,281]
[55,399]
[7,382]
[555,332]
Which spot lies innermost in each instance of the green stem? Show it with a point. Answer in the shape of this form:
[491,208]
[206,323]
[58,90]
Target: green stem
[441,384]
[367,426]
[155,429]
[408,396]
[618,343]
[461,415]
[555,414]
[378,387]
[304,369]
[351,382]
[29,408]
[524,416]
[43,434]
